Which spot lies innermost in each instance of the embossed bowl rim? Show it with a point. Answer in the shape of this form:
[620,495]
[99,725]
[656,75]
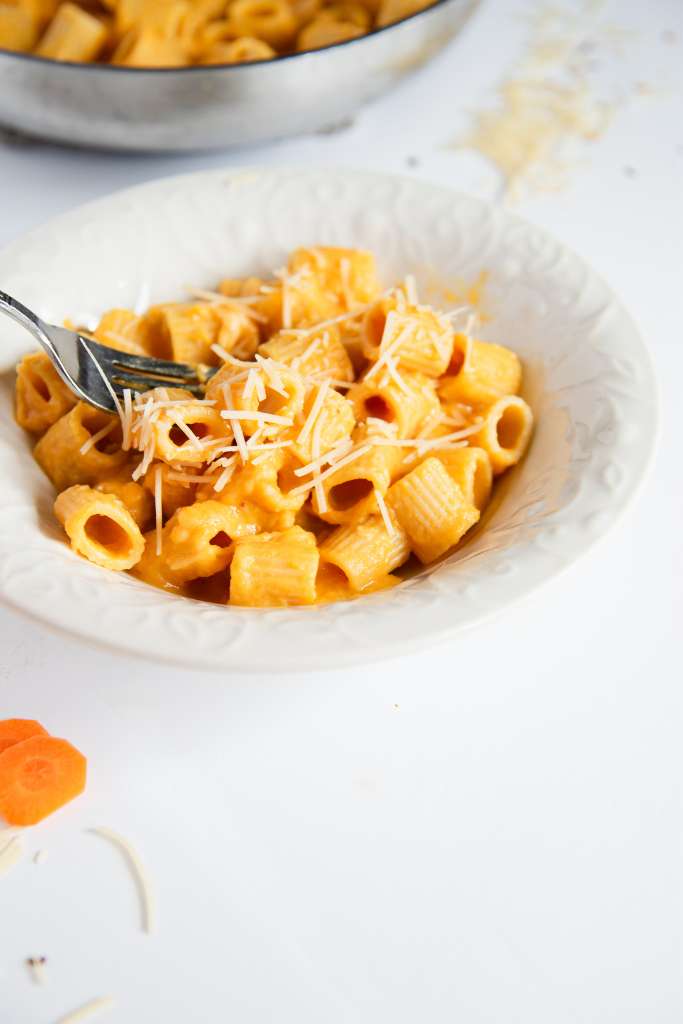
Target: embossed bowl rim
[144,243]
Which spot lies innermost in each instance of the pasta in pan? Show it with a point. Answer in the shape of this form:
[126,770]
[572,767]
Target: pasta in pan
[345,433]
[180,33]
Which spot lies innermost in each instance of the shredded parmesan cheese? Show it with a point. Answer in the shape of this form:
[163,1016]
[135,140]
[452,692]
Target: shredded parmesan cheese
[88,1010]
[93,440]
[314,412]
[225,476]
[330,457]
[270,368]
[105,381]
[384,512]
[351,457]
[315,451]
[257,417]
[139,874]
[127,419]
[410,287]
[189,434]
[392,347]
[227,358]
[158,508]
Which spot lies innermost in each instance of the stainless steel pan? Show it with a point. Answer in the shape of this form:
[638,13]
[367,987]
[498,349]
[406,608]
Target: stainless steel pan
[214,107]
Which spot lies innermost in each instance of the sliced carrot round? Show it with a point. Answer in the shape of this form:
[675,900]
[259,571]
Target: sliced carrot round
[38,776]
[14,730]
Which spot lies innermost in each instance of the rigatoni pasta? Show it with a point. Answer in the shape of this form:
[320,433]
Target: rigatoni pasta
[181,33]
[346,434]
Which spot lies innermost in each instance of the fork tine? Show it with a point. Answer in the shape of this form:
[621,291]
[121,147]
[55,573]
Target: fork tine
[121,380]
[111,357]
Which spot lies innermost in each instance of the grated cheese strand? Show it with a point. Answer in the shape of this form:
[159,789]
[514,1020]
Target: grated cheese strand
[313,414]
[158,508]
[396,376]
[390,349]
[240,303]
[351,457]
[189,434]
[340,449]
[139,874]
[105,381]
[88,1010]
[227,358]
[127,419]
[315,451]
[92,441]
[270,368]
[410,287]
[249,387]
[226,475]
[257,417]
[384,512]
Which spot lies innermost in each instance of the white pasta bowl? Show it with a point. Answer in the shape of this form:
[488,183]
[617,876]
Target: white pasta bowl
[587,377]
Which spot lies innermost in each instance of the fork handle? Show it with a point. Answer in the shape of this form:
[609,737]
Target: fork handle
[25,317]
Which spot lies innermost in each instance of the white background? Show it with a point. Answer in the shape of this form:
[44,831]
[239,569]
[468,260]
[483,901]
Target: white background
[488,833]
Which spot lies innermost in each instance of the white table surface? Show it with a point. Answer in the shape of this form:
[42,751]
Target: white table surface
[489,832]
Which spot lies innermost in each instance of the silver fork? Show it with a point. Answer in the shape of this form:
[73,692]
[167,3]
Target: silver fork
[96,372]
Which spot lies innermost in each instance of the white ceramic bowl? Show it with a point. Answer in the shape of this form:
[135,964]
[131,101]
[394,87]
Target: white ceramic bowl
[587,376]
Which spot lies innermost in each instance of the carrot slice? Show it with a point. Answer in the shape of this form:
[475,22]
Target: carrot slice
[37,777]
[14,730]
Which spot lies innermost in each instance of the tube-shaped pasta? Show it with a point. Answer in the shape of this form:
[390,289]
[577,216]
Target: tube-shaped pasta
[348,11]
[134,496]
[319,354]
[470,468]
[270,20]
[180,429]
[294,300]
[375,320]
[238,51]
[334,423]
[100,527]
[274,569]
[431,508]
[175,494]
[480,372]
[351,492]
[201,14]
[506,432]
[188,331]
[40,11]
[349,274]
[406,406]
[42,397]
[147,48]
[59,454]
[122,329]
[394,10]
[18,30]
[366,552]
[185,332]
[152,567]
[198,539]
[267,483]
[283,398]
[324,31]
[417,339]
[73,34]
[332,584]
